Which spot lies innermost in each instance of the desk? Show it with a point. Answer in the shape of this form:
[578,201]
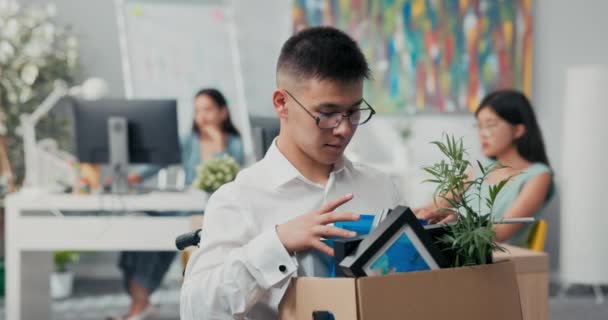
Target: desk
[31,238]
[533,279]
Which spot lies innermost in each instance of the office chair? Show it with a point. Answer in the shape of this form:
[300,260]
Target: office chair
[538,236]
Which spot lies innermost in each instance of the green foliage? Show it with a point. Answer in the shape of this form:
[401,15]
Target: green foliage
[214,173]
[470,241]
[62,258]
[34,52]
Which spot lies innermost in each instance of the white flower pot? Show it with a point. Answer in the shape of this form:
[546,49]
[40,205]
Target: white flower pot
[61,284]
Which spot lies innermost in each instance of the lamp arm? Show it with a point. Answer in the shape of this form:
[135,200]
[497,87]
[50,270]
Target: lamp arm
[60,90]
[28,125]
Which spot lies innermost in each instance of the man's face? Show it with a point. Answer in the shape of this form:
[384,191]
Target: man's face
[322,98]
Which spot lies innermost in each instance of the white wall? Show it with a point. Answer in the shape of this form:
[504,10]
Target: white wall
[263,26]
[94,22]
[566,33]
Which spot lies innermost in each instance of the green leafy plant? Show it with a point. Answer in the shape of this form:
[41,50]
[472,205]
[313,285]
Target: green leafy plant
[63,258]
[471,240]
[34,52]
[214,173]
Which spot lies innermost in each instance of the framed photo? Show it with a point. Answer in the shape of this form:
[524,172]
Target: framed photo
[398,244]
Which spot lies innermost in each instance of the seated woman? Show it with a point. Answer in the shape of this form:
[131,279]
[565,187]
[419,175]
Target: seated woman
[510,135]
[213,134]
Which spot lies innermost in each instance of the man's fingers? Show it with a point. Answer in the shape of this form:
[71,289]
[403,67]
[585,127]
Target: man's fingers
[319,245]
[332,205]
[338,216]
[328,231]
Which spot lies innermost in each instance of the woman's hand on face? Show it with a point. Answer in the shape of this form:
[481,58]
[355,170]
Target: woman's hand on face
[213,132]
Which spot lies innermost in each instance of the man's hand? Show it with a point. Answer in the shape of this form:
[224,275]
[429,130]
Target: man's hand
[305,232]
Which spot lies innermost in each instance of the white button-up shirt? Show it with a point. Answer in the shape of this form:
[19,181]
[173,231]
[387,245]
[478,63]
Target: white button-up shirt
[242,269]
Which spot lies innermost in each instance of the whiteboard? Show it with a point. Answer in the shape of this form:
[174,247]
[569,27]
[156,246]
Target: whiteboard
[173,48]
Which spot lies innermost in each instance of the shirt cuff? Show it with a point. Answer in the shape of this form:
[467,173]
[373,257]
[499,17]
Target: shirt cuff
[271,262]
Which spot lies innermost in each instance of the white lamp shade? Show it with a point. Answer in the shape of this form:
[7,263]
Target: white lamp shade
[584,210]
[91,89]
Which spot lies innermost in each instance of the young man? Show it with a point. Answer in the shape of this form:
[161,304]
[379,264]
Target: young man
[266,226]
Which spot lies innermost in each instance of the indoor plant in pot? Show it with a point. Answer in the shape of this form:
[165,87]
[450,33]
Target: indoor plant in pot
[62,279]
[214,173]
[471,240]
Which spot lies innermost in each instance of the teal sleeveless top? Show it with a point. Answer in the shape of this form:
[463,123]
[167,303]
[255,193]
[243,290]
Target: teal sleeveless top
[507,197]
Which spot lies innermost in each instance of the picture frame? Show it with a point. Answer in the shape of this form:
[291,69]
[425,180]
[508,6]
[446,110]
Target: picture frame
[398,244]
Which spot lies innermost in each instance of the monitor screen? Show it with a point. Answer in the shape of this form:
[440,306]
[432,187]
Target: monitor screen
[152,130]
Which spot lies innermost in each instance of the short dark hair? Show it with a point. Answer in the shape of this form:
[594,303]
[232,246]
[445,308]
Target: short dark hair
[220,101]
[515,108]
[323,53]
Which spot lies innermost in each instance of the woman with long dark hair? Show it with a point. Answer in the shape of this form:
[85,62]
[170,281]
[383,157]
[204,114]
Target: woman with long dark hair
[213,134]
[510,135]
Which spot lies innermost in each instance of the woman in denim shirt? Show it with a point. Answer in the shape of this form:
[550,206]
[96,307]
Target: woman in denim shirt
[213,134]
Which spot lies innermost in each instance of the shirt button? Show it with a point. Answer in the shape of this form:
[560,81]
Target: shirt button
[282,268]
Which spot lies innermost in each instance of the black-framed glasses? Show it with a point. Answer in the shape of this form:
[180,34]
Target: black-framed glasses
[332,120]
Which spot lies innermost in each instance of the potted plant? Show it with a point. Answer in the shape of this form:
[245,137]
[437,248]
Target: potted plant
[214,173]
[469,241]
[62,279]
[34,52]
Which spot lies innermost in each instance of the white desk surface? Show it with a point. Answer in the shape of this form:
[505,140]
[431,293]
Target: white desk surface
[161,201]
[99,232]
[27,294]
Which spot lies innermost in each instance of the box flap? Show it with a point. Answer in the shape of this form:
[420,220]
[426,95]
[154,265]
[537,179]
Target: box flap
[337,295]
[471,293]
[525,260]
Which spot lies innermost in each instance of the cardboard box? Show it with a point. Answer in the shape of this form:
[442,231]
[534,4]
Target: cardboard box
[471,293]
[533,278]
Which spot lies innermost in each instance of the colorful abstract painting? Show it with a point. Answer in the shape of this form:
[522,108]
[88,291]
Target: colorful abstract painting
[433,55]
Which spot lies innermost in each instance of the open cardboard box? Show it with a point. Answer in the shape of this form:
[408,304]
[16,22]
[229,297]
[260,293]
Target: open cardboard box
[471,293]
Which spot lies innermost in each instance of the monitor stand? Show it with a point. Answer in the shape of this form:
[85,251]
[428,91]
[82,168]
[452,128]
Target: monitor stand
[118,139]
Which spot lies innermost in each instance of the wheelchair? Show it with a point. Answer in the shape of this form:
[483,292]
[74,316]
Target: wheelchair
[188,239]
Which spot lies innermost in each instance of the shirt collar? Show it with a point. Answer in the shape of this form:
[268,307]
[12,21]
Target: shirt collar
[283,171]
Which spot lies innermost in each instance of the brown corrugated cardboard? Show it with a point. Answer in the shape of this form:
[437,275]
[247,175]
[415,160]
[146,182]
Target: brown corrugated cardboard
[533,278]
[525,260]
[481,292]
[318,294]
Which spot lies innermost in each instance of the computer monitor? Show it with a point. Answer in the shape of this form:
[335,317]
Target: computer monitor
[151,135]
[263,132]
